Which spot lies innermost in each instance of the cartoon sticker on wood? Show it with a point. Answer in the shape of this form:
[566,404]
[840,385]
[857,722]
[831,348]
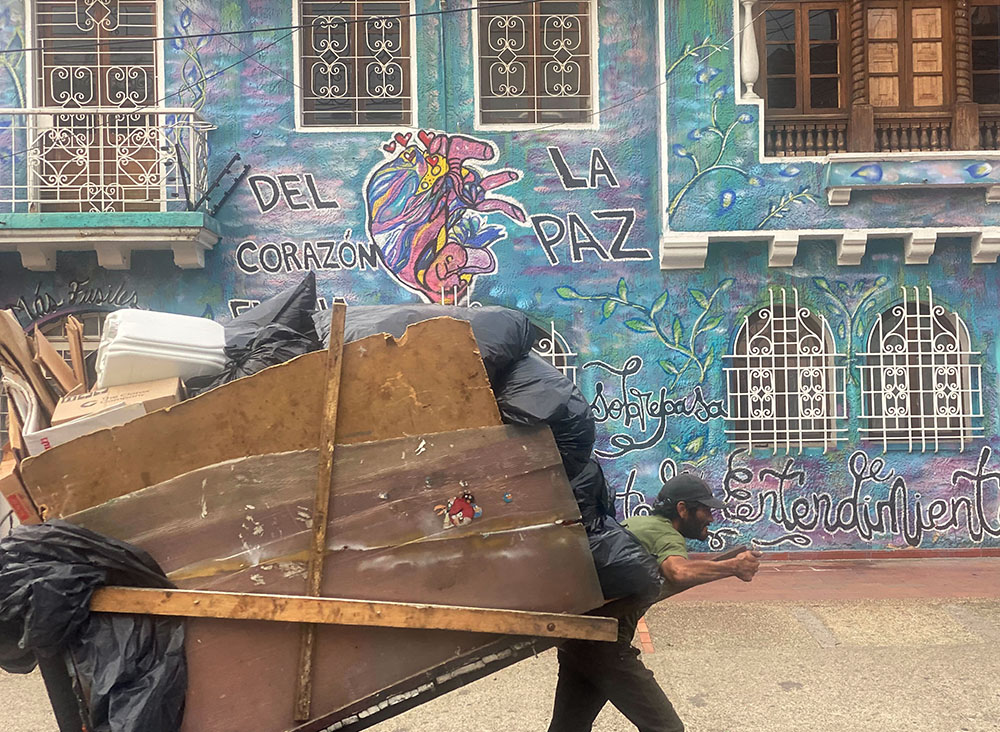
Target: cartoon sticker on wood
[459,511]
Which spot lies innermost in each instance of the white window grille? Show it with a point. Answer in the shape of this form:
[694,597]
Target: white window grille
[785,380]
[535,62]
[553,348]
[355,64]
[95,160]
[920,379]
[97,53]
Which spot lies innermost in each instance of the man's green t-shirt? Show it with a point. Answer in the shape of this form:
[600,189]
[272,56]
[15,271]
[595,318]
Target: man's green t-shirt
[658,536]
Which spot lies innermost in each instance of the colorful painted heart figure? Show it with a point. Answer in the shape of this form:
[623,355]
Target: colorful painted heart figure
[427,210]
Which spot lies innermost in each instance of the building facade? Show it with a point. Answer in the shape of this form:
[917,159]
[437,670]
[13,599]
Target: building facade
[761,236]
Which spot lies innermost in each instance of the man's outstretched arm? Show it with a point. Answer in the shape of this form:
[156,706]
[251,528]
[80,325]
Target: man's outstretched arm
[680,572]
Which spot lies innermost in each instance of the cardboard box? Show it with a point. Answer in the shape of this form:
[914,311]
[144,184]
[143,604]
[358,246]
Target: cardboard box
[151,394]
[42,440]
[14,493]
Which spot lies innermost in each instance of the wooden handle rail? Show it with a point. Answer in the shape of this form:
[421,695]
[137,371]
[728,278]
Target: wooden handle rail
[321,510]
[326,610]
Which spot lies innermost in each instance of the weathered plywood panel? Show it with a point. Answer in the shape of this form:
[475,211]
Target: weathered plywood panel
[246,522]
[431,380]
[386,542]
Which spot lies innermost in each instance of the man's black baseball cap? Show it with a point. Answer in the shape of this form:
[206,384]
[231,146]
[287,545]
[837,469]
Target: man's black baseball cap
[690,489]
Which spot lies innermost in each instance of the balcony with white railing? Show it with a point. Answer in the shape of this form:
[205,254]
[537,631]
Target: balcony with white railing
[110,180]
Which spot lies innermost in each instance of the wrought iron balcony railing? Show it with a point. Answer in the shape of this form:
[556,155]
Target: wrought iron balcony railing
[102,159]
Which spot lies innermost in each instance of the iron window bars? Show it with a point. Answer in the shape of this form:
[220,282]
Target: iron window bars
[785,380]
[920,379]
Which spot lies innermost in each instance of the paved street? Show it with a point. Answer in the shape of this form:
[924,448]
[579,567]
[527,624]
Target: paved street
[887,646]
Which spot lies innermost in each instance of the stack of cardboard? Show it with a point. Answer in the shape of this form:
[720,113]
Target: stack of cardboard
[49,402]
[80,413]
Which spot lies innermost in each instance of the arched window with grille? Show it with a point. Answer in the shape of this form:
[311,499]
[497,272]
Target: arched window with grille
[785,380]
[920,378]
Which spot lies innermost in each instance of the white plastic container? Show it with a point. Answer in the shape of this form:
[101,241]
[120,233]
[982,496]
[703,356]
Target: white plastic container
[140,345]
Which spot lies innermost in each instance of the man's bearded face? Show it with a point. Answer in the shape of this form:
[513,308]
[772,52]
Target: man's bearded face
[695,521]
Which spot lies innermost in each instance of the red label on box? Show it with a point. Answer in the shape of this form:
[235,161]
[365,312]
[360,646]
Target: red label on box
[20,510]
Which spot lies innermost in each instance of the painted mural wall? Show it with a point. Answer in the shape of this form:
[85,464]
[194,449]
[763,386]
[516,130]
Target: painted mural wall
[565,224]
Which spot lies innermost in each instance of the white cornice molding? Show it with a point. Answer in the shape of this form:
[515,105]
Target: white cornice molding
[114,246]
[689,249]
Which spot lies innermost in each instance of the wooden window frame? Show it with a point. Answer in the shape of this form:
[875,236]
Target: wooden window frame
[803,73]
[990,109]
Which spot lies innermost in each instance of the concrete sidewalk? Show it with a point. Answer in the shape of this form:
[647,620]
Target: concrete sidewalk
[843,579]
[892,646]
[886,645]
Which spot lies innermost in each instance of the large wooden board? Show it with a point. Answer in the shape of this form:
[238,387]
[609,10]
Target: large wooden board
[430,380]
[387,542]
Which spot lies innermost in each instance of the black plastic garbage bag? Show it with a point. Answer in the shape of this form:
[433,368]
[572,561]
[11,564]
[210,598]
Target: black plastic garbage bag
[624,567]
[292,308]
[592,493]
[273,344]
[277,330]
[133,666]
[503,335]
[13,658]
[533,391]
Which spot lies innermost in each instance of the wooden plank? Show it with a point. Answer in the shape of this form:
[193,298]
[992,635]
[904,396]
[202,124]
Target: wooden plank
[74,336]
[321,510]
[334,611]
[54,363]
[431,380]
[14,430]
[13,490]
[14,348]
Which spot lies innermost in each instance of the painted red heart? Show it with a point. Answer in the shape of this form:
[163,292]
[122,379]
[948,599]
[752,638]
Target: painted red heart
[432,160]
[426,137]
[402,139]
[389,147]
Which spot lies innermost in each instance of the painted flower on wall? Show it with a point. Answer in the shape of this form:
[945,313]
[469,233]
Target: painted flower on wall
[427,208]
[712,155]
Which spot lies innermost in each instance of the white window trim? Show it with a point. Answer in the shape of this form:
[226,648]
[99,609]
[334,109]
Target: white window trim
[595,85]
[33,59]
[298,90]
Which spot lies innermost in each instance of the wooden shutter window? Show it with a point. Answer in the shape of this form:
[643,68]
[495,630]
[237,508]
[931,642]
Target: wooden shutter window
[907,47]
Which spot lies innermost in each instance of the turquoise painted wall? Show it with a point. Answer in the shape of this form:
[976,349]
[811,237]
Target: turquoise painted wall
[650,344]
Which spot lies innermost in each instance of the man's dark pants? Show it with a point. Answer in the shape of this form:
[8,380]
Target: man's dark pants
[592,674]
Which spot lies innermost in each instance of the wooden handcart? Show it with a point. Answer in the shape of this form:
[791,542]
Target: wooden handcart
[351,533]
